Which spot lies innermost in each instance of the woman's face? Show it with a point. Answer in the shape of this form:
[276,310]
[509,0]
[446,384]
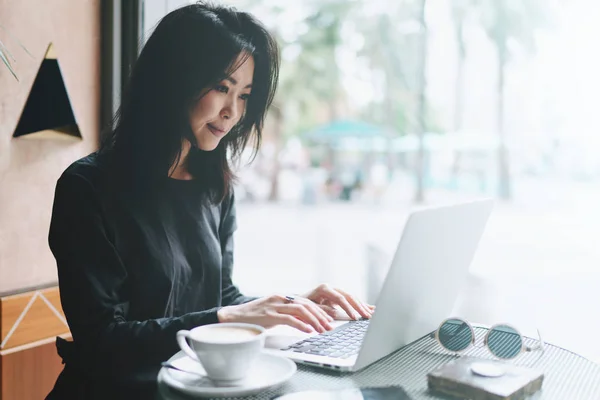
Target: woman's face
[213,116]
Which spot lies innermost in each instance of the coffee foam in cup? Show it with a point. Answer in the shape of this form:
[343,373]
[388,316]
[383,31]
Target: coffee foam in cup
[225,334]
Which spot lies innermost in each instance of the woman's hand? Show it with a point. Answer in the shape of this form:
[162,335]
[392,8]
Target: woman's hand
[301,313]
[328,297]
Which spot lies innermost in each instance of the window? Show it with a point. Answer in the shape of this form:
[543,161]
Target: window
[507,108]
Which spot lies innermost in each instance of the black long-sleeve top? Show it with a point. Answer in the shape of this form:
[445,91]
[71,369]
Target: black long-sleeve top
[134,268]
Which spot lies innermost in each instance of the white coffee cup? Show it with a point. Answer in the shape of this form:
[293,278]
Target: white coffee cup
[225,350]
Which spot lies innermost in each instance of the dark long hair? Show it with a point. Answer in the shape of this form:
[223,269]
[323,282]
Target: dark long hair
[191,50]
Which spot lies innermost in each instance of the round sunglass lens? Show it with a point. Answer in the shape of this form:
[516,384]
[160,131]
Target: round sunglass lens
[504,342]
[455,335]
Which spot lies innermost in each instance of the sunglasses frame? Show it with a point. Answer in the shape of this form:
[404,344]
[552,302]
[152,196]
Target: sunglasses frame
[524,348]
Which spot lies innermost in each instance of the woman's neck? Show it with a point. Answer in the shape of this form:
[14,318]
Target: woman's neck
[179,169]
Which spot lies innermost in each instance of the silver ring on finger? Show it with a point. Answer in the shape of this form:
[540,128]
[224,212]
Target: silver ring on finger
[289,299]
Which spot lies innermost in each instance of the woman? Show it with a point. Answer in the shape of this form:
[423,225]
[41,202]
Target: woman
[142,230]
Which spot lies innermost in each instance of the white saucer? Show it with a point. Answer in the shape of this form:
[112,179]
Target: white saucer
[268,371]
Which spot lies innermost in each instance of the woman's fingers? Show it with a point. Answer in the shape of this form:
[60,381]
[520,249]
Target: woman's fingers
[324,319]
[314,307]
[354,308]
[308,316]
[294,322]
[359,306]
[303,313]
[329,310]
[356,304]
[366,309]
[337,298]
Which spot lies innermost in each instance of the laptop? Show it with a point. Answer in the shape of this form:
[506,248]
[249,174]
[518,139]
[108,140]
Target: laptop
[425,277]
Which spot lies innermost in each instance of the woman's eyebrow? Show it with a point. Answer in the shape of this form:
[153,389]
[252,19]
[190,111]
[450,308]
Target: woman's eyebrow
[235,82]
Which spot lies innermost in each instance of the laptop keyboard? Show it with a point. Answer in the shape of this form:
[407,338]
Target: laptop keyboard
[342,342]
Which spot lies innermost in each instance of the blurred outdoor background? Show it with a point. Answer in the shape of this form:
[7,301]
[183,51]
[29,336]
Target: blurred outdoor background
[388,105]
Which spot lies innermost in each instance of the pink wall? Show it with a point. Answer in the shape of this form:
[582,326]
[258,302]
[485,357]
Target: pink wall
[29,168]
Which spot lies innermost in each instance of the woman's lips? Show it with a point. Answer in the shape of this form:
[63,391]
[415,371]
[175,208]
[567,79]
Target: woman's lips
[216,131]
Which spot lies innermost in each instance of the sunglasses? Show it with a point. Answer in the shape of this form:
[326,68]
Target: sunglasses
[502,340]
